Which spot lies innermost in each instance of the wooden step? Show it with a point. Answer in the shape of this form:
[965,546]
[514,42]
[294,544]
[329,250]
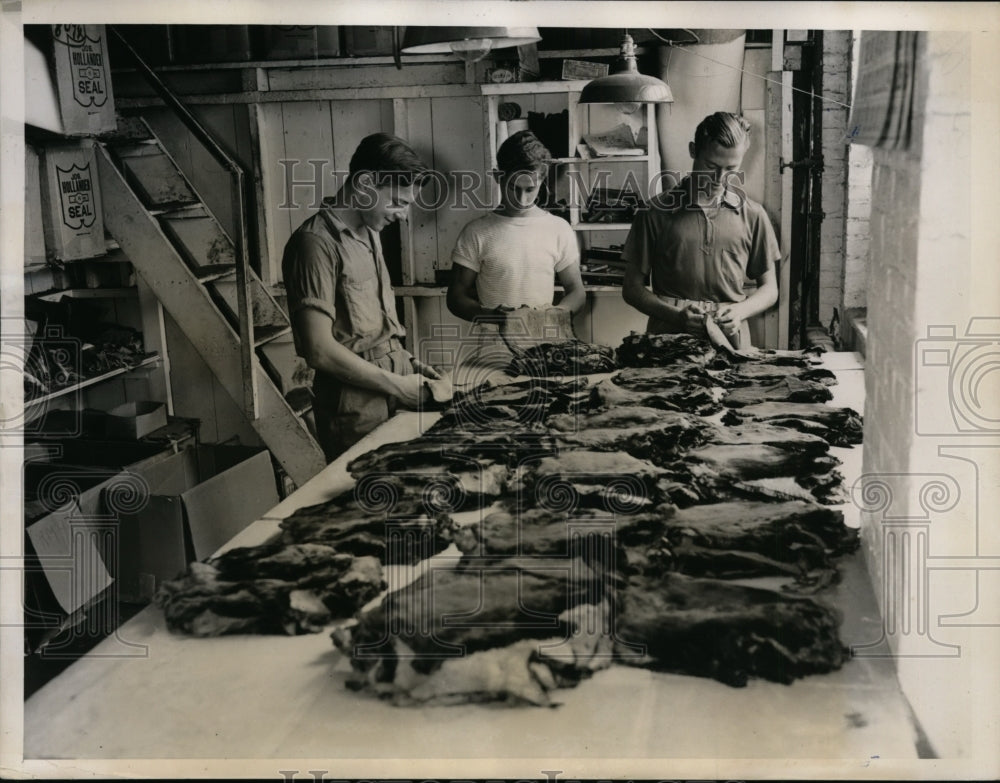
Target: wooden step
[199,238]
[266,334]
[129,131]
[283,365]
[138,149]
[210,272]
[157,181]
[266,312]
[301,400]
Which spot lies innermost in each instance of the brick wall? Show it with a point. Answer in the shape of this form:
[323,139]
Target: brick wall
[919,276]
[857,228]
[837,89]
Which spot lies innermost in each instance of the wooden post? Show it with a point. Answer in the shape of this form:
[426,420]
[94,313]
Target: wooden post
[785,276]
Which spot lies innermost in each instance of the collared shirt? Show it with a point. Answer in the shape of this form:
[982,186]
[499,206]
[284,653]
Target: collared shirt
[694,253]
[330,267]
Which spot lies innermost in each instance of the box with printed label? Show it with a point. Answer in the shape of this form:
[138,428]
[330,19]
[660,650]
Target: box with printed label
[71,202]
[83,78]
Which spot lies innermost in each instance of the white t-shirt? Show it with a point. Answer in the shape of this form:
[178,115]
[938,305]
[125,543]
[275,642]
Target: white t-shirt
[516,258]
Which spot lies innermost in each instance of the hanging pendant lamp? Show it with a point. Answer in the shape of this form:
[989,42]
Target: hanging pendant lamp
[469,43]
[626,85]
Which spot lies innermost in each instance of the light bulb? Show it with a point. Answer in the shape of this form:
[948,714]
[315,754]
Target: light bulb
[472,49]
[628,108]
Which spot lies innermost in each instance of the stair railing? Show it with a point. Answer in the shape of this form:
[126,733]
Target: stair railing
[237,178]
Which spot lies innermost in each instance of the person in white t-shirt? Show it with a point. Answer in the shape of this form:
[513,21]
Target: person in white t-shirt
[510,258]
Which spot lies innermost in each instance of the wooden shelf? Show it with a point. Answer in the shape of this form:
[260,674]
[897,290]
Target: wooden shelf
[533,88]
[605,159]
[149,361]
[93,293]
[602,226]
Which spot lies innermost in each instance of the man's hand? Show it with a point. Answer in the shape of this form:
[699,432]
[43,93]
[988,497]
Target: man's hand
[424,369]
[411,389]
[729,320]
[693,320]
[498,315]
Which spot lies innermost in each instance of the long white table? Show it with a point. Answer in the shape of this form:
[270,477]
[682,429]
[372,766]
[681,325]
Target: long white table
[259,697]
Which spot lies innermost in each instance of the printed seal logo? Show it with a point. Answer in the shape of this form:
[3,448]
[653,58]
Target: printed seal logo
[87,65]
[76,196]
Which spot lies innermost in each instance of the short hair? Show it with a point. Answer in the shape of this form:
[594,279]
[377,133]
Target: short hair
[522,152]
[387,158]
[724,128]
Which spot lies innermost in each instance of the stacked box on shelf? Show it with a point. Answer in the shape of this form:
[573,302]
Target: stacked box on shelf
[367,41]
[83,78]
[210,43]
[299,42]
[71,202]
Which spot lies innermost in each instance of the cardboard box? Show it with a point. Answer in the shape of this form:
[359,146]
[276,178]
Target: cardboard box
[151,41]
[64,574]
[135,420]
[198,500]
[72,533]
[581,69]
[368,41]
[83,78]
[210,43]
[300,42]
[71,202]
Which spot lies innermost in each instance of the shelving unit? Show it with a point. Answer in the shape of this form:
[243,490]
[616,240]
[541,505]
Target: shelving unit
[578,173]
[149,361]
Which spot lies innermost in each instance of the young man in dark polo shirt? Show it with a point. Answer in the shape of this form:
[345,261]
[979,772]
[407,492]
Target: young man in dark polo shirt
[341,301]
[700,240]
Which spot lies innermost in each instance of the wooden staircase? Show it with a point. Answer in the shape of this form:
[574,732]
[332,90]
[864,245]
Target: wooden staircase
[192,265]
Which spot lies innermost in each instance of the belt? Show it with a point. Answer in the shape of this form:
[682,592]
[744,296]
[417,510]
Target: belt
[708,307]
[382,349]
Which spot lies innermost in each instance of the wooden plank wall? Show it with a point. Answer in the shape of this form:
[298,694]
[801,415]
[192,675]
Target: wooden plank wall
[230,125]
[309,142]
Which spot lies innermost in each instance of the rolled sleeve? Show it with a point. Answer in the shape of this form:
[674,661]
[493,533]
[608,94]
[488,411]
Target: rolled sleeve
[569,250]
[309,271]
[764,246]
[640,242]
[467,251]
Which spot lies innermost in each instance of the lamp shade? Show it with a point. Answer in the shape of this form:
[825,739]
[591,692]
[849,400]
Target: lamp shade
[470,43]
[626,88]
[627,85]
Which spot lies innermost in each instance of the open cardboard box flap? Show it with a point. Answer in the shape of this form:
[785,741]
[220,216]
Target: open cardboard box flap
[198,500]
